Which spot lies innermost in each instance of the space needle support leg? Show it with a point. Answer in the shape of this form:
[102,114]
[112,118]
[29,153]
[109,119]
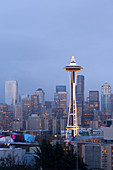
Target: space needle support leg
[76,122]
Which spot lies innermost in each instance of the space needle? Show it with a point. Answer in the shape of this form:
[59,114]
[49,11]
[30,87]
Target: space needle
[72,123]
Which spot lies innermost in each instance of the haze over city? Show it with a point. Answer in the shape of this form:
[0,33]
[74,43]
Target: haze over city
[38,38]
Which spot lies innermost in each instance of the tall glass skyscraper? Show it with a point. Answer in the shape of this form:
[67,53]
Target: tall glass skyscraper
[94,99]
[26,110]
[35,104]
[106,101]
[11,92]
[80,97]
[61,98]
[41,95]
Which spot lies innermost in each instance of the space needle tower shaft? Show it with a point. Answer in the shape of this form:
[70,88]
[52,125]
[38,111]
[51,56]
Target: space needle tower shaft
[72,123]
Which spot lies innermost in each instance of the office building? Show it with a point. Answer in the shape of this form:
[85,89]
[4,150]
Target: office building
[11,92]
[18,111]
[46,124]
[55,126]
[3,109]
[94,99]
[97,154]
[106,111]
[107,156]
[61,99]
[91,154]
[63,123]
[48,107]
[80,93]
[22,96]
[88,115]
[35,104]
[41,95]
[33,122]
[26,111]
[108,122]
[9,116]
[94,124]
[16,125]
[17,122]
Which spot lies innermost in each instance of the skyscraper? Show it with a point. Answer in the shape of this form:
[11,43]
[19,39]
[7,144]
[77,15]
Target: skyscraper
[35,104]
[26,110]
[9,120]
[17,122]
[80,93]
[88,115]
[94,99]
[18,111]
[22,96]
[11,92]
[61,99]
[106,101]
[41,95]
[3,109]
[34,122]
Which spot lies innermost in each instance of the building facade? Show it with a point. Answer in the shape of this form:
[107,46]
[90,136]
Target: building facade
[11,92]
[88,115]
[9,116]
[41,95]
[33,122]
[17,122]
[3,109]
[61,99]
[35,104]
[91,154]
[94,99]
[80,93]
[106,101]
[26,111]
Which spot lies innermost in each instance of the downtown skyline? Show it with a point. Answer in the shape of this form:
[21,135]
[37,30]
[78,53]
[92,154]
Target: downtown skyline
[38,39]
[57,85]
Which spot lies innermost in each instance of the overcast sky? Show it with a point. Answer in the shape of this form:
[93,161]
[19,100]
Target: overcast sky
[38,38]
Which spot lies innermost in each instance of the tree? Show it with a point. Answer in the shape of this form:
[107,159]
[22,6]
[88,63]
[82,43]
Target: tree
[46,156]
[58,156]
[54,158]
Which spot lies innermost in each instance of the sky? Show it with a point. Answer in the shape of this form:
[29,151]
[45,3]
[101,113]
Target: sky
[38,38]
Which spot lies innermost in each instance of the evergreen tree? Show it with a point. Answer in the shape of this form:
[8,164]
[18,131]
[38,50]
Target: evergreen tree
[58,155]
[46,156]
[54,158]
